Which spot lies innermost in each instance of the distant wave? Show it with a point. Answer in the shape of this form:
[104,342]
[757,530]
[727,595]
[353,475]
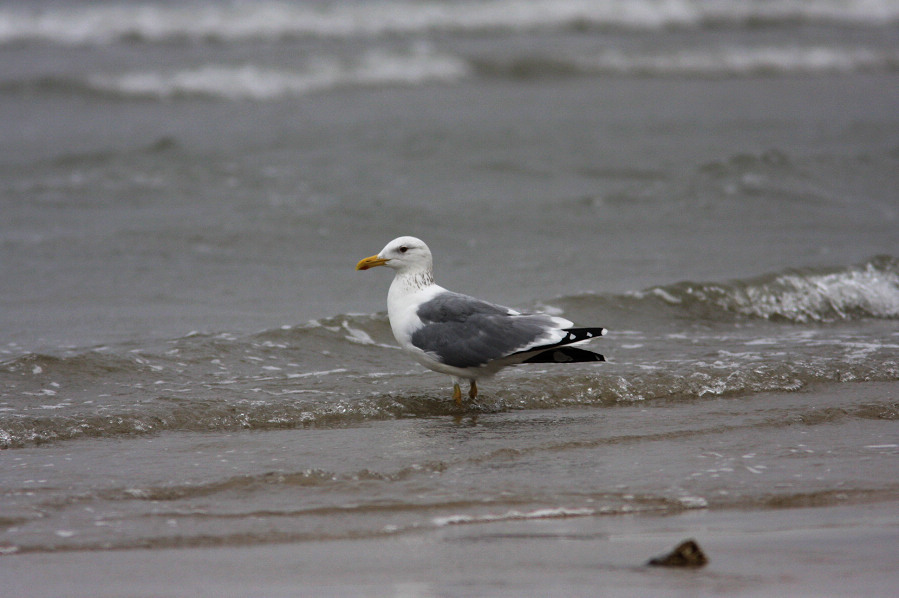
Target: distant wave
[100,23]
[249,82]
[257,83]
[422,66]
[725,61]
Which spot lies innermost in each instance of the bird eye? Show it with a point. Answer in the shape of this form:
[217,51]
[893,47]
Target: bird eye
[404,249]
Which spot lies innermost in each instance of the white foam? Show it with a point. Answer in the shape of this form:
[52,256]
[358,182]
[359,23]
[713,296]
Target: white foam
[104,22]
[547,513]
[665,296]
[251,82]
[693,502]
[826,296]
[715,61]
[317,374]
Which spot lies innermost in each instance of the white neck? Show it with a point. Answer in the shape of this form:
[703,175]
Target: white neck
[406,282]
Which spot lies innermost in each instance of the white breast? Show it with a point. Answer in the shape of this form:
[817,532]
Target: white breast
[403,300]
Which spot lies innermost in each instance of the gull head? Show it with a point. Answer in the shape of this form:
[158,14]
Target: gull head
[403,254]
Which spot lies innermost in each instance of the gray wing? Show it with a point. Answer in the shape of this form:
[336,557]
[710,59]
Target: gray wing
[466,332]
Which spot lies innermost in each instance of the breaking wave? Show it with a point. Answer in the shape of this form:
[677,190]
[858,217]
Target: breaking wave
[712,62]
[424,66]
[869,290]
[249,82]
[257,83]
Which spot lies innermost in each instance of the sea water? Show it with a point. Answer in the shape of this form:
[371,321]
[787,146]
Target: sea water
[187,357]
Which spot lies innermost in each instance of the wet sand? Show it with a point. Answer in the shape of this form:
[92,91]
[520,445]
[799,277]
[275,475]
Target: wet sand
[833,551]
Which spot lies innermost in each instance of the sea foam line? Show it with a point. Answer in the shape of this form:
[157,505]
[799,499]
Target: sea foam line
[106,22]
[547,513]
[422,65]
[251,82]
[742,60]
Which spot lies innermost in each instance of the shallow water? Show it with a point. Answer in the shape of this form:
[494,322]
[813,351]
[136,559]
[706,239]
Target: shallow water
[686,341]
[188,358]
[397,476]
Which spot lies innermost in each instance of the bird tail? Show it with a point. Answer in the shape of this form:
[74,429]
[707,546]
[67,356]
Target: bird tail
[572,336]
[576,335]
[560,352]
[564,355]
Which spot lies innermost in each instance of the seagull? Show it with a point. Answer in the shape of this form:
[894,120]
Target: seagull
[464,337]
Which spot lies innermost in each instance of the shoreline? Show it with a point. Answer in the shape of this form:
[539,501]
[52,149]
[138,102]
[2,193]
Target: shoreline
[825,551]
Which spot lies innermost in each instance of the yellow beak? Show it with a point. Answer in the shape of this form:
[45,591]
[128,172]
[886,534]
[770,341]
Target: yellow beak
[371,262]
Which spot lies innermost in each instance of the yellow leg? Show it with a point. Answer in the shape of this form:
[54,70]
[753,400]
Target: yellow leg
[457,394]
[473,390]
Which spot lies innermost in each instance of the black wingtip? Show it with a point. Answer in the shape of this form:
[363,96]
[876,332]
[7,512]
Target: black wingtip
[572,336]
[565,355]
